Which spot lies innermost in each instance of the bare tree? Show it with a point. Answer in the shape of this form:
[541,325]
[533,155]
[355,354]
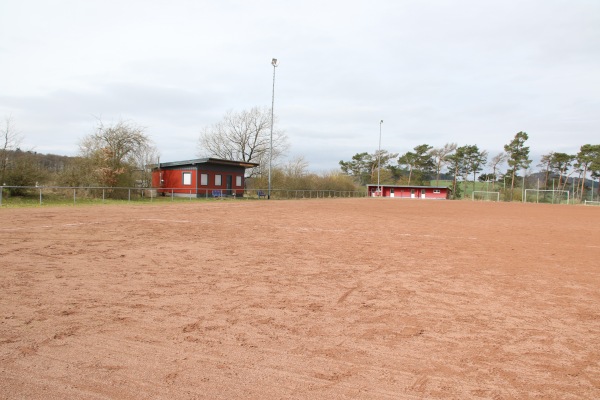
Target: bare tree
[495,162]
[440,158]
[296,167]
[115,152]
[144,160]
[243,136]
[10,139]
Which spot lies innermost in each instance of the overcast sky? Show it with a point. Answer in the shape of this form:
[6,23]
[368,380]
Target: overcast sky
[436,71]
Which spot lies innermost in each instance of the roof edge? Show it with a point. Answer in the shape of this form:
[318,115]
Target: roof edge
[208,160]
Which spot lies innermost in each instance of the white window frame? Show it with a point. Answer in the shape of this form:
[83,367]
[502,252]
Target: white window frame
[437,191]
[238,181]
[203,179]
[186,178]
[218,180]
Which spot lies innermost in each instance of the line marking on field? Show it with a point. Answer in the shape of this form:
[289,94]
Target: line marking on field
[166,220]
[50,226]
[304,229]
[438,236]
[76,224]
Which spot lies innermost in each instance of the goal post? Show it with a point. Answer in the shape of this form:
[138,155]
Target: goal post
[546,196]
[485,196]
[592,203]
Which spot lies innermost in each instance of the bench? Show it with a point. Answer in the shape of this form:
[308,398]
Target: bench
[261,194]
[218,193]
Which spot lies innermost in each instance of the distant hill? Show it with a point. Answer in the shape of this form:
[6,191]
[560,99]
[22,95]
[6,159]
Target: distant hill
[46,162]
[570,180]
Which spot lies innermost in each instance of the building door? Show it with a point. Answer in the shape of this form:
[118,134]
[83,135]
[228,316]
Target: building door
[422,193]
[412,193]
[229,181]
[391,192]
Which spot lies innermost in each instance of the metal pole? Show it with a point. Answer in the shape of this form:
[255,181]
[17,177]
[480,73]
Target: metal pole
[379,159]
[274,63]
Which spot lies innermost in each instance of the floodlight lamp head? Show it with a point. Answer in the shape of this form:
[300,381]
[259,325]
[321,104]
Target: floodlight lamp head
[381,122]
[274,62]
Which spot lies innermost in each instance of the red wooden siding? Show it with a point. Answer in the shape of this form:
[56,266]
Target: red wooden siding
[169,178]
[409,192]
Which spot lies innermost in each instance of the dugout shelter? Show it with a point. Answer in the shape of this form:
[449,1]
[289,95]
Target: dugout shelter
[203,177]
[409,191]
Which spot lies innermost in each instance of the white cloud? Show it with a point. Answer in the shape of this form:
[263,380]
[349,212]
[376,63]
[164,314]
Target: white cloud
[436,71]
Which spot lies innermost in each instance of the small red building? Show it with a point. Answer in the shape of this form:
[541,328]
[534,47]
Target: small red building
[204,177]
[409,191]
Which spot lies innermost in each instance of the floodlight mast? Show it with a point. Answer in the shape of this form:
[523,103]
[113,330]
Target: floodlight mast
[379,160]
[274,64]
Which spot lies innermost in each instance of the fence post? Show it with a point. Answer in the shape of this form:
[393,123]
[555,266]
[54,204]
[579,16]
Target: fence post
[40,196]
[74,191]
[1,193]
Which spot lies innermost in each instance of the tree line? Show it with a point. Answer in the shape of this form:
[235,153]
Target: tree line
[424,164]
[116,155]
[122,154]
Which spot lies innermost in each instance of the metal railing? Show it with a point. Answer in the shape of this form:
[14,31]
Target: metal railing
[40,195]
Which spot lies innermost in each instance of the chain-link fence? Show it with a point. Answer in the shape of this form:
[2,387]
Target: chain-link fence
[64,195]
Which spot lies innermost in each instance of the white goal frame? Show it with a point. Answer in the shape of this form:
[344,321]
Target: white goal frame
[559,192]
[497,195]
[592,203]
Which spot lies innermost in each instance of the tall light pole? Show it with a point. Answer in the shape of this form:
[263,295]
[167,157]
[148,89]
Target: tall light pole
[274,64]
[379,159]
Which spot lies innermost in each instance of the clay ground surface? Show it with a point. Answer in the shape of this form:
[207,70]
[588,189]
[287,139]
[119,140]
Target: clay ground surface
[300,299]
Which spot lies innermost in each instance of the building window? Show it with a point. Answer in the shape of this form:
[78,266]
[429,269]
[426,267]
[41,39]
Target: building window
[238,181]
[436,191]
[203,179]
[217,180]
[187,178]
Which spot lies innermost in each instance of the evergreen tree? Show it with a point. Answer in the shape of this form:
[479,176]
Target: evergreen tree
[518,157]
